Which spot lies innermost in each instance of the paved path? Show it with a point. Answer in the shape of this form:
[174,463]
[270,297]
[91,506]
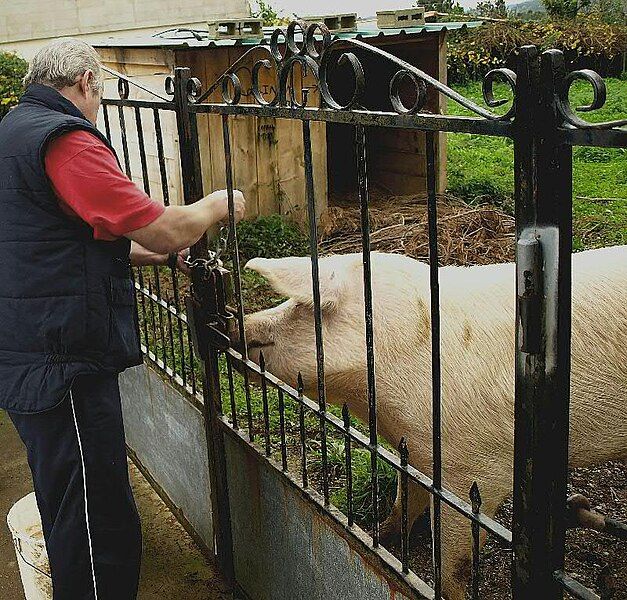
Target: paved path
[172,569]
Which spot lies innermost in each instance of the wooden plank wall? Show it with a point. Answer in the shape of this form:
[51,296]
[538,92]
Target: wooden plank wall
[398,157]
[267,154]
[150,68]
[268,161]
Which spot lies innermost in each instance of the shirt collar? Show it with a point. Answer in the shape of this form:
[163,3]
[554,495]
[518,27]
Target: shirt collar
[47,96]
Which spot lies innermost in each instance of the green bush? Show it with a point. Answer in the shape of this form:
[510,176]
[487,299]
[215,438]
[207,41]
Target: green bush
[270,237]
[589,43]
[12,70]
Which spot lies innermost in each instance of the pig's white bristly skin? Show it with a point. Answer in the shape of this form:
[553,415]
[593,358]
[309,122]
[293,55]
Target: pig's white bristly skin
[477,329]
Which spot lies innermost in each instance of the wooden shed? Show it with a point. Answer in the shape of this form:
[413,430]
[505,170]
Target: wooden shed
[268,153]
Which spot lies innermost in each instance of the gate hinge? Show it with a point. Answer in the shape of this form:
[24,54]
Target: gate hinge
[529,293]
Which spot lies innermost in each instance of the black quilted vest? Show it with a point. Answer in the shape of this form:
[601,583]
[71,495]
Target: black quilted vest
[67,303]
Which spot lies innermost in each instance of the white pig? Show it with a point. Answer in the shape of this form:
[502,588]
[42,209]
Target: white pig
[477,329]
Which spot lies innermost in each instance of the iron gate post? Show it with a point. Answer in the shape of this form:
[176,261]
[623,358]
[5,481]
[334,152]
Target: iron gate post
[204,289]
[543,184]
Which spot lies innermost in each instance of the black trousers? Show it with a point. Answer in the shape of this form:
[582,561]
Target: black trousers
[77,456]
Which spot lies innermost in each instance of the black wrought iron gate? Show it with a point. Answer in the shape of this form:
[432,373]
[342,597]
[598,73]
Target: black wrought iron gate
[544,128]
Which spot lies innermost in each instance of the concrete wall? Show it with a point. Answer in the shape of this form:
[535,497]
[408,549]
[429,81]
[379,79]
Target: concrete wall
[286,549]
[165,432]
[285,546]
[27,24]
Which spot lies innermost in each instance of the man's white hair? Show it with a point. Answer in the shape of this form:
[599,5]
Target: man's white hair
[63,62]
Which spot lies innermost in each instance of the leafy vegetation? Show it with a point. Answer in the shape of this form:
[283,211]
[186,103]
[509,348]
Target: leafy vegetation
[589,43]
[491,8]
[271,237]
[565,9]
[264,10]
[12,70]
[451,7]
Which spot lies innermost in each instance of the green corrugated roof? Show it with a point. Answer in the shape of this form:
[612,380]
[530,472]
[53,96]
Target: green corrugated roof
[366,30]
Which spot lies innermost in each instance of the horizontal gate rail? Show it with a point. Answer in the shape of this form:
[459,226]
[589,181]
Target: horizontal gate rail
[423,122]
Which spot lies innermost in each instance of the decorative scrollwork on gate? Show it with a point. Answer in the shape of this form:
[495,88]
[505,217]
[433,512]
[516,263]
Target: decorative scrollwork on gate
[600,95]
[312,47]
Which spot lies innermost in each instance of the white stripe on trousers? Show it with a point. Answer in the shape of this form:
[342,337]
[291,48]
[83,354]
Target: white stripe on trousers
[80,449]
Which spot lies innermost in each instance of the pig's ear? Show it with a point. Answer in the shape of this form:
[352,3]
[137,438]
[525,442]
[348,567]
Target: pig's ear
[291,277]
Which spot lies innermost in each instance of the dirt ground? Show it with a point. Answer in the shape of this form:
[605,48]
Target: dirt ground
[588,553]
[173,568]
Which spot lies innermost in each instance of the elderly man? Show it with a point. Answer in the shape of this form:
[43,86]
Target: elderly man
[71,225]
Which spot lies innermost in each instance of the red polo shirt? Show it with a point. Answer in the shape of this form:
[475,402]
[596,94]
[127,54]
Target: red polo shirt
[90,185]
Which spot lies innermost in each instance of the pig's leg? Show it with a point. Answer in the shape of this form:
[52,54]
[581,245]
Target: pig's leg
[456,549]
[457,542]
[417,503]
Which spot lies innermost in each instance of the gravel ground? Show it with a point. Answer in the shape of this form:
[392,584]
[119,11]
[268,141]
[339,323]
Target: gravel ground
[588,552]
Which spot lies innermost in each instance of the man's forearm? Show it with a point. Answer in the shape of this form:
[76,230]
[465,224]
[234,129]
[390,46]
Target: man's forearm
[142,257]
[185,225]
[180,227]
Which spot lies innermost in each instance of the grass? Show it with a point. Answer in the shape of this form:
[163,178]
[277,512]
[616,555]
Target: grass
[480,168]
[336,468]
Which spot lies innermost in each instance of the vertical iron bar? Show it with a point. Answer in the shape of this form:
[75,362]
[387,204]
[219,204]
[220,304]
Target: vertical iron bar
[153,320]
[404,452]
[229,370]
[192,361]
[181,337]
[127,160]
[236,267]
[543,185]
[140,277]
[146,183]
[192,192]
[362,177]
[169,310]
[349,464]
[475,500]
[107,124]
[142,149]
[264,399]
[301,423]
[282,430]
[315,272]
[165,192]
[435,361]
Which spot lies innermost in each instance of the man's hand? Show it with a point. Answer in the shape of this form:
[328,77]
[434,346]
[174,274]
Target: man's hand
[177,260]
[180,227]
[220,203]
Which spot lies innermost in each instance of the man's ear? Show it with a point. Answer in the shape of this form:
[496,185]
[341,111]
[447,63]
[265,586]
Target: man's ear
[86,82]
[291,277]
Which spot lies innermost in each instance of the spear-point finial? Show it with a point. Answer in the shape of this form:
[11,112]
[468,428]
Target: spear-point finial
[475,497]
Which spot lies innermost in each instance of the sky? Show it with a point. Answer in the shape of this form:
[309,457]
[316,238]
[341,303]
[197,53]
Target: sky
[364,8]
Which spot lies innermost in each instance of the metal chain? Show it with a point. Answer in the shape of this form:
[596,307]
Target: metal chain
[213,260]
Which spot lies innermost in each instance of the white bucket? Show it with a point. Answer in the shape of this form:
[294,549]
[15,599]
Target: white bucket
[25,525]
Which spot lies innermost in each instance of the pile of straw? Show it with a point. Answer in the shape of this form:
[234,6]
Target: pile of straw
[467,235]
